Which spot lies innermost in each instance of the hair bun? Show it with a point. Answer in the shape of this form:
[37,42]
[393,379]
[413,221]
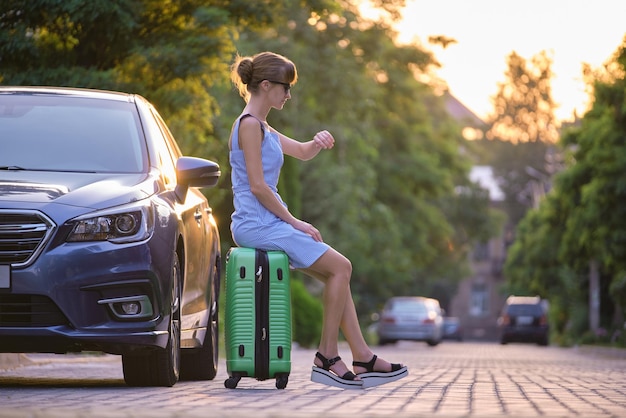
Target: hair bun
[245,69]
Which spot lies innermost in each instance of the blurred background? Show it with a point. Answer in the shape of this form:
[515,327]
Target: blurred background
[500,190]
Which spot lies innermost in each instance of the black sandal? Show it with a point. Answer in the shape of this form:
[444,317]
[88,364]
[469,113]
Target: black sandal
[327,377]
[369,366]
[372,378]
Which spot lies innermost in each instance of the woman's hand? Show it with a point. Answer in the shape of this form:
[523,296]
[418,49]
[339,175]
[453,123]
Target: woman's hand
[309,229]
[324,140]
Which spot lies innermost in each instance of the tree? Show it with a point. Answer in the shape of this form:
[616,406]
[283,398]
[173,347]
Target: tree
[596,227]
[580,224]
[384,195]
[176,53]
[523,130]
[524,109]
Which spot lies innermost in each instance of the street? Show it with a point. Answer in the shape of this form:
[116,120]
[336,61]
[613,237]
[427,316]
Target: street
[450,380]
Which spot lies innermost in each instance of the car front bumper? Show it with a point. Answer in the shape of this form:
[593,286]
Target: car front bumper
[68,299]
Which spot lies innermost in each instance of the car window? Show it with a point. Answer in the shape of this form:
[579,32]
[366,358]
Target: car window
[167,154]
[406,306]
[172,146]
[70,134]
[520,310]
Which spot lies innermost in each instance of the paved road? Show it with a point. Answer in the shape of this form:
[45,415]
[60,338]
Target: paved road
[450,380]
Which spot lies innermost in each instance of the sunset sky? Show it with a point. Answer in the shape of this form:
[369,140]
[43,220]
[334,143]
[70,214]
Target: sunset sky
[487,31]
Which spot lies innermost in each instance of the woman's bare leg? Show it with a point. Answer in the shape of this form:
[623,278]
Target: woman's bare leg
[352,331]
[334,270]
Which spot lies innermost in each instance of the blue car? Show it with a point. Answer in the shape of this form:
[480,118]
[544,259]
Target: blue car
[106,242]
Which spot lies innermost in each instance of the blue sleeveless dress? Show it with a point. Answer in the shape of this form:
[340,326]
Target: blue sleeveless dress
[252,225]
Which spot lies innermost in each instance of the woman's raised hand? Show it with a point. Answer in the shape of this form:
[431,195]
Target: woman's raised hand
[324,140]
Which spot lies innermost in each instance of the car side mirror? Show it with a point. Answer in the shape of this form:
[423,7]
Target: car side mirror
[195,172]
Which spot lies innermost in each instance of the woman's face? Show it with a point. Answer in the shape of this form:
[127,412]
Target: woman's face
[279,93]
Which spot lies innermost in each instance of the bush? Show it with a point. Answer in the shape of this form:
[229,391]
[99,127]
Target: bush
[307,315]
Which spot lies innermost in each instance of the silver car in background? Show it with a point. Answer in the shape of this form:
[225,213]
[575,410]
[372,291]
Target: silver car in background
[412,318]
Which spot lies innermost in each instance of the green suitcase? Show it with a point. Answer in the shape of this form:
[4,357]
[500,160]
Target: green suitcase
[258,316]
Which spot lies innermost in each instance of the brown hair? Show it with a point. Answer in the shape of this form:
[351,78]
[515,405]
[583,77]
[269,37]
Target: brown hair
[248,72]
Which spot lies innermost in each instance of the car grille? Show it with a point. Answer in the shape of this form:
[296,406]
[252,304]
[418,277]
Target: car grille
[22,236]
[29,311]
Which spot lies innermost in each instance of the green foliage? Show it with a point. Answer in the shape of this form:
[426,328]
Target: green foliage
[307,315]
[582,219]
[383,195]
[520,170]
[522,132]
[386,196]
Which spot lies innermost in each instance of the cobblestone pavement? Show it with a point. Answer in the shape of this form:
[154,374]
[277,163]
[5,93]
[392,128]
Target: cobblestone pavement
[451,380]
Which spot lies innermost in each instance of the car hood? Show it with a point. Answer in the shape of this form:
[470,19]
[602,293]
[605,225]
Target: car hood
[91,191]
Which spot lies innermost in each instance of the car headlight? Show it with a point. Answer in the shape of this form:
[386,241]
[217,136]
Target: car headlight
[129,223]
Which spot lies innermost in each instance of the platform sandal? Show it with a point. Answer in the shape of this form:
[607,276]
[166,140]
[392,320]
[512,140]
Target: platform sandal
[372,378]
[325,376]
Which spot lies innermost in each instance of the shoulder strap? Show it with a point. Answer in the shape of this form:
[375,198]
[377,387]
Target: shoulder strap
[235,144]
[252,116]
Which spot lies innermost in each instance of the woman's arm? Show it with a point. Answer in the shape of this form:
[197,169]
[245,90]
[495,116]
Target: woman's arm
[306,150]
[250,139]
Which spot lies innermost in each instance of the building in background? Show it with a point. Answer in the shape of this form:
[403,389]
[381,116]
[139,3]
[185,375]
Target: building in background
[478,300]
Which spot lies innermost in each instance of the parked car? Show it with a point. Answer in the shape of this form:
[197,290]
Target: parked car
[106,242]
[524,319]
[452,328]
[411,318]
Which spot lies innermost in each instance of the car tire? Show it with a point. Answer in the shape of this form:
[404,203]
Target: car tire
[159,367]
[201,363]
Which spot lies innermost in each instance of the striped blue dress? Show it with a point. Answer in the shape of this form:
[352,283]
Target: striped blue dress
[252,225]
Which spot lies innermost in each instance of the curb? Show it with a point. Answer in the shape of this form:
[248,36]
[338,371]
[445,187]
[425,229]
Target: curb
[13,360]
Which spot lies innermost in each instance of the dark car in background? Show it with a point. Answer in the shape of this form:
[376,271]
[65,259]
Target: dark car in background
[452,329]
[413,318]
[106,242]
[524,319]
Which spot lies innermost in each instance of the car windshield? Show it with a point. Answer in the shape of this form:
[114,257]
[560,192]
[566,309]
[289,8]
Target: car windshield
[48,133]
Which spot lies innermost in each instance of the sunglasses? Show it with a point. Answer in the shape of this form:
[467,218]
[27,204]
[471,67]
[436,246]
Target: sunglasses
[286,86]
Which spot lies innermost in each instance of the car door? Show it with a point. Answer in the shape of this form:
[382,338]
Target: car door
[194,213]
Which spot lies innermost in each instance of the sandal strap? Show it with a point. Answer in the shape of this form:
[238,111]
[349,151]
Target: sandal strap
[396,366]
[369,366]
[348,376]
[327,363]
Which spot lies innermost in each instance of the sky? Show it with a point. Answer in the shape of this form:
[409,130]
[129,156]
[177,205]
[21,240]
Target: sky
[487,31]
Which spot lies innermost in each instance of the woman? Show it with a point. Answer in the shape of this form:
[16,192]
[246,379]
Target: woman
[262,220]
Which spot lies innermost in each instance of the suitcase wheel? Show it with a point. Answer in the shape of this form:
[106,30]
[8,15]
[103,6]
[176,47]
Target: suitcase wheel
[281,382]
[231,382]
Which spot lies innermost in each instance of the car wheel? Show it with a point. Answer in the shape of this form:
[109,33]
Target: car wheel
[433,343]
[159,367]
[201,363]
